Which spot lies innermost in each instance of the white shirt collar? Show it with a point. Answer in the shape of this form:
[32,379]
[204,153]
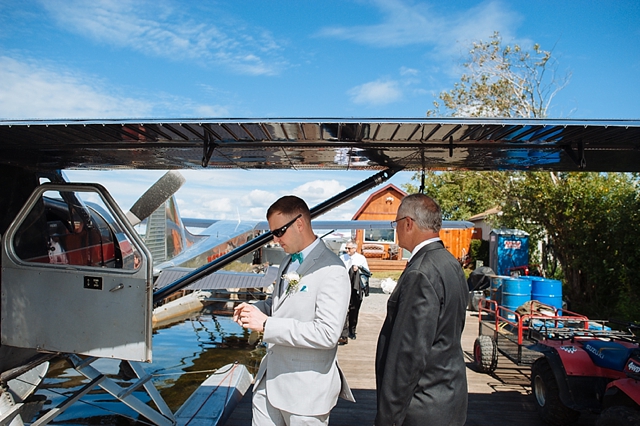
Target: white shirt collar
[422,244]
[307,250]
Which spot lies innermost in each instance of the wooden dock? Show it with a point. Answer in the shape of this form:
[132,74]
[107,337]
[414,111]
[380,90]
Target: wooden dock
[386,264]
[503,398]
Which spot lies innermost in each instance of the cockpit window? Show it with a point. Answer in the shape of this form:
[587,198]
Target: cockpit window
[74,228]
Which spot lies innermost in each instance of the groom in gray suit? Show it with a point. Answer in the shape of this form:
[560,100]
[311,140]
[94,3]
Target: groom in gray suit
[299,380]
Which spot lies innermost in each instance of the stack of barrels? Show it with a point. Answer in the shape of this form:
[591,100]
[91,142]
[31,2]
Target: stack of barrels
[512,292]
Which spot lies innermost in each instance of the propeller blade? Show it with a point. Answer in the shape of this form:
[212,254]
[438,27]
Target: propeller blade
[153,198]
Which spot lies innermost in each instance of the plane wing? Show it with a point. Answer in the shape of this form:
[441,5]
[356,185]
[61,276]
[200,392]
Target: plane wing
[366,224]
[220,280]
[341,144]
[329,224]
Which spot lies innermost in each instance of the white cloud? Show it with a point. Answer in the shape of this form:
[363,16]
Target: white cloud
[480,22]
[46,90]
[376,93]
[403,24]
[192,214]
[256,213]
[125,195]
[404,71]
[259,198]
[160,28]
[223,194]
[219,205]
[317,191]
[409,23]
[36,90]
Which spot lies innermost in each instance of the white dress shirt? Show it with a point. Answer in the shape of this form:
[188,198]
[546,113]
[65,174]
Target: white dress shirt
[422,244]
[354,260]
[294,265]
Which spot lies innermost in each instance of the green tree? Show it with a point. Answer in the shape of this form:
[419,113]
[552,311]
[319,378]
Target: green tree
[503,81]
[462,194]
[589,223]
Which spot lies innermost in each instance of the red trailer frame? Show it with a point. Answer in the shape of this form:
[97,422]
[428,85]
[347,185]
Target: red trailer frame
[507,332]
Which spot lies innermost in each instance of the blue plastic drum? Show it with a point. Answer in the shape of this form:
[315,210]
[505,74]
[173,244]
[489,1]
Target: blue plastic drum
[547,291]
[496,288]
[515,292]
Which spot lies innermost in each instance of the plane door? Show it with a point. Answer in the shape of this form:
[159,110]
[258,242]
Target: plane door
[76,277]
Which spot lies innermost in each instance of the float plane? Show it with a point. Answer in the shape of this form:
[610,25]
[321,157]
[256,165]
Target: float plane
[94,300]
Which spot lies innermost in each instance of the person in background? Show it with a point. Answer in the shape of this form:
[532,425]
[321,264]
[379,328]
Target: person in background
[359,273]
[299,380]
[420,369]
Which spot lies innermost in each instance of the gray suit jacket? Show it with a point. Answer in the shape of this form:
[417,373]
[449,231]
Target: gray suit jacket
[301,366]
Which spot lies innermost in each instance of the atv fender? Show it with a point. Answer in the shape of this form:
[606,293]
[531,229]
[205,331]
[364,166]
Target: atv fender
[620,388]
[557,367]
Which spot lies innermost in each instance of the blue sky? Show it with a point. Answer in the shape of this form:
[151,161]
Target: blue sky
[384,58]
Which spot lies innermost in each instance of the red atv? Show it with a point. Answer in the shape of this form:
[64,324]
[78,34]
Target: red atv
[594,368]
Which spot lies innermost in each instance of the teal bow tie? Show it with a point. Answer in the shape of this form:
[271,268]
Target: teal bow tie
[297,256]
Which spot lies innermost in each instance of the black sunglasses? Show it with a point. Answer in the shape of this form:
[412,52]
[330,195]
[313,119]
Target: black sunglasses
[280,231]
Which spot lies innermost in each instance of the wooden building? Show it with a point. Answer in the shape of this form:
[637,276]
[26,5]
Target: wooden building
[380,246]
[482,225]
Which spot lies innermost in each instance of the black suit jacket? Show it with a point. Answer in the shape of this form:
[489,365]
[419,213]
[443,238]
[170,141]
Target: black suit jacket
[420,369]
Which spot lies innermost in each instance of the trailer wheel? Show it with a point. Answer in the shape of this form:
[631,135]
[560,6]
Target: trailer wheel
[547,395]
[485,354]
[619,415]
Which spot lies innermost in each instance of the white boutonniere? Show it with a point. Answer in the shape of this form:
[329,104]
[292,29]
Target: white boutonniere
[293,279]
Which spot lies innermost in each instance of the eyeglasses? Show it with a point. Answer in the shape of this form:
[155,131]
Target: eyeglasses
[351,248]
[280,231]
[394,224]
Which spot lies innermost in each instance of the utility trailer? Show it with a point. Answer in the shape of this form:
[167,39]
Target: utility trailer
[502,330]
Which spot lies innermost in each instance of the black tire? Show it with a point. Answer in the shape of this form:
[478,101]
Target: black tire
[619,415]
[485,354]
[544,388]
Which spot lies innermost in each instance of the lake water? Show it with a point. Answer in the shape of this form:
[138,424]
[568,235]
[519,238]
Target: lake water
[184,354]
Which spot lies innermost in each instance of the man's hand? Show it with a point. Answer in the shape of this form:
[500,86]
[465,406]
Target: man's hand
[248,316]
[236,312]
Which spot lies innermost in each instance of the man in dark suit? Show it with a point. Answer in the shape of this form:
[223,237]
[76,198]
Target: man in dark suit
[420,368]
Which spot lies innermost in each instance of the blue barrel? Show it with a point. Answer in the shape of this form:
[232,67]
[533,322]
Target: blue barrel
[515,292]
[547,291]
[496,288]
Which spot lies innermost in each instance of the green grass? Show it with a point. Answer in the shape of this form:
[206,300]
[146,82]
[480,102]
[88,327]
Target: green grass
[387,274]
[396,274]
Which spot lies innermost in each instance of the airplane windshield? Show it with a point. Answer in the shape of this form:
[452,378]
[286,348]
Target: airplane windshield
[74,228]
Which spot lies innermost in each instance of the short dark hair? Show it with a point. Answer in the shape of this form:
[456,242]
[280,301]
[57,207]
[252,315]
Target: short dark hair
[290,205]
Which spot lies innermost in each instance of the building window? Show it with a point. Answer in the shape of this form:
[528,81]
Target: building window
[379,236]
